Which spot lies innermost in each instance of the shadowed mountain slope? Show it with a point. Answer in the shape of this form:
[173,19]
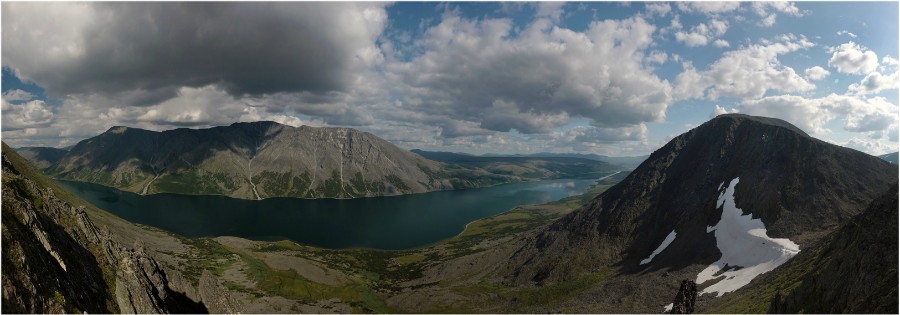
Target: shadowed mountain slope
[800,187]
[42,157]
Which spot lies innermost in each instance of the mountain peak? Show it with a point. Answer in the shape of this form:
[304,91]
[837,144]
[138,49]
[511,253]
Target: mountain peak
[261,123]
[740,118]
[117,129]
[798,187]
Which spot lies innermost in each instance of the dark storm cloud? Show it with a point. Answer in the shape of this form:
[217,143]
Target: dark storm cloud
[146,51]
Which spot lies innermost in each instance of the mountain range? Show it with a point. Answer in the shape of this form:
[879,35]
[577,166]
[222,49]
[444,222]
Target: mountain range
[267,159]
[625,162]
[756,214]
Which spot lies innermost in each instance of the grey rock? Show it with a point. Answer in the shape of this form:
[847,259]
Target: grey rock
[685,298]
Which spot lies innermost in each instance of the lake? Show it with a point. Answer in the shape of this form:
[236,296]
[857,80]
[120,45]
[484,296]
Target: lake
[393,222]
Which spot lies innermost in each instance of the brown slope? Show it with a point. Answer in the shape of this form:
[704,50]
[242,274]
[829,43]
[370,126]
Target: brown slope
[801,188]
[246,160]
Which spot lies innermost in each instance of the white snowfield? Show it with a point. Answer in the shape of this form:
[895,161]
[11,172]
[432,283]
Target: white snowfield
[665,243]
[743,243]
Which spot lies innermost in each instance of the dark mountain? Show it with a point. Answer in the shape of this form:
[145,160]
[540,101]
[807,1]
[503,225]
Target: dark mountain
[523,166]
[42,157]
[250,160]
[891,157]
[666,214]
[57,259]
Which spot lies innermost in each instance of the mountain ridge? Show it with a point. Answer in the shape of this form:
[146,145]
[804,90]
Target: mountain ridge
[248,160]
[255,160]
[787,179]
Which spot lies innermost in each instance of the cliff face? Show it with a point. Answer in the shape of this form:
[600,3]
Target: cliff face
[55,259]
[250,161]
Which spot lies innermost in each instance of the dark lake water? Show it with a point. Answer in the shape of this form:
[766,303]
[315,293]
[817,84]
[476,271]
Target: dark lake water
[395,222]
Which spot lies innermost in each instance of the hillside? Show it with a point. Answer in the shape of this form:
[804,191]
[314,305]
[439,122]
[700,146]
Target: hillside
[669,215]
[251,161]
[42,157]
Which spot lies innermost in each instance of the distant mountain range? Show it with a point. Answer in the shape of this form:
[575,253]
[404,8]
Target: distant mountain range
[42,157]
[266,159]
[721,204]
[763,217]
[891,157]
[625,162]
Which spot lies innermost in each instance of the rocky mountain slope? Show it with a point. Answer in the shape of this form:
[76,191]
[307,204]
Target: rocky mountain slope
[251,161]
[42,157]
[854,269]
[56,259]
[757,180]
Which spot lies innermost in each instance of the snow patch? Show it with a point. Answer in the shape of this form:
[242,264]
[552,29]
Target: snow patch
[668,308]
[746,249]
[665,243]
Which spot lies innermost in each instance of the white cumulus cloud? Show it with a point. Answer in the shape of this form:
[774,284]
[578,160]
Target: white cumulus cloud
[816,73]
[876,82]
[480,74]
[852,58]
[746,73]
[864,115]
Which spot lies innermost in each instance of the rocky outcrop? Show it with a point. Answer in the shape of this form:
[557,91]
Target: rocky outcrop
[213,295]
[685,298]
[55,259]
[49,264]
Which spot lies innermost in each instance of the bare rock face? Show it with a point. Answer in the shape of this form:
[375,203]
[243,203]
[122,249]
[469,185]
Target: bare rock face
[49,265]
[215,297]
[56,260]
[140,283]
[685,298]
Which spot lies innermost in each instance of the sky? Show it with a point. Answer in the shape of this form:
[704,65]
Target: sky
[612,78]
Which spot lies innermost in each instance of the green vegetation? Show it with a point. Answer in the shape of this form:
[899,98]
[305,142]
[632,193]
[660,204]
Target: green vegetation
[397,182]
[210,255]
[331,187]
[191,180]
[549,295]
